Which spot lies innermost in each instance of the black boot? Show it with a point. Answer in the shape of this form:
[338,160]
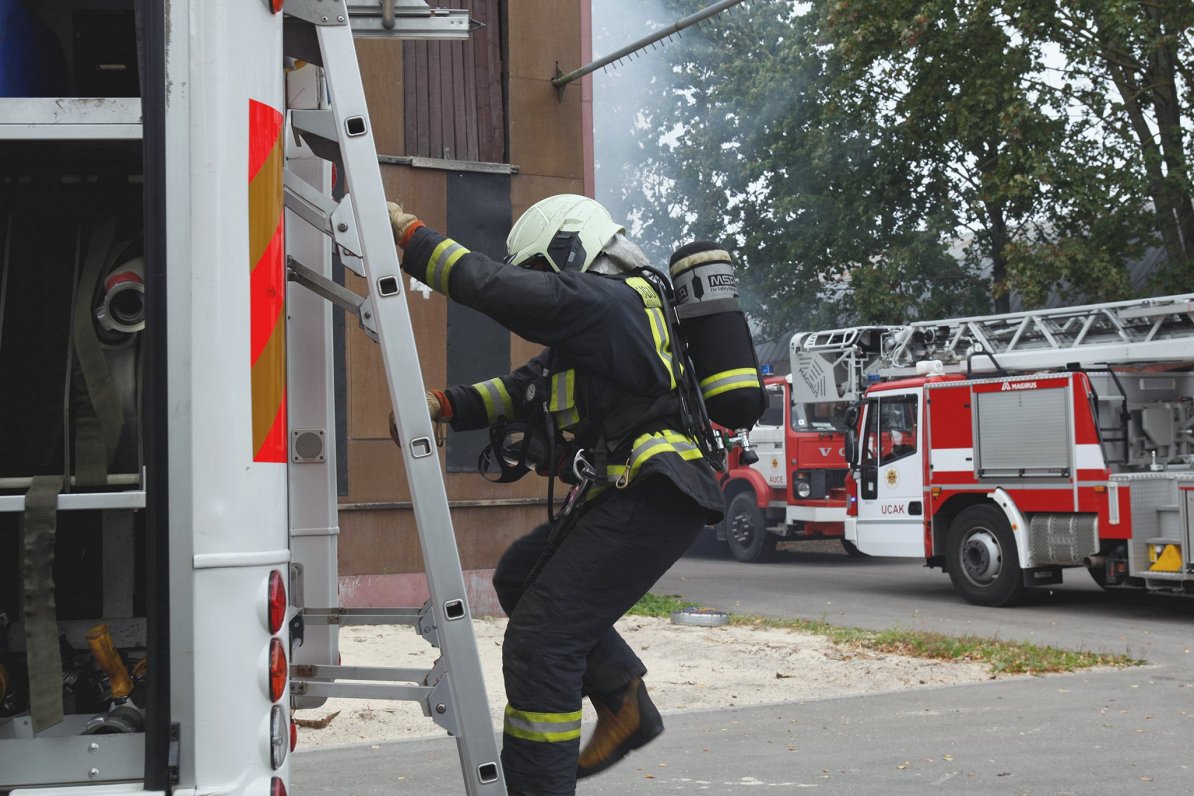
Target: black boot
[626,720]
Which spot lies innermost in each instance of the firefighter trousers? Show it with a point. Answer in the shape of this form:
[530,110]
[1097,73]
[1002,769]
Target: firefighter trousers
[560,640]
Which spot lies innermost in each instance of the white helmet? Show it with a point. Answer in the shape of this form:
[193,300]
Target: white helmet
[568,231]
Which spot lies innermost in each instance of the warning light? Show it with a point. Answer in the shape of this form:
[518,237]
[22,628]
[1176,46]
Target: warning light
[277,669]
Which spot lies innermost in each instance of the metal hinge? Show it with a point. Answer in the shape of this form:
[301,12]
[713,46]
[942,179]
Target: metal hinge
[175,753]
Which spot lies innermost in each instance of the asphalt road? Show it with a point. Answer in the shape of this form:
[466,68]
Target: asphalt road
[816,580]
[1105,732]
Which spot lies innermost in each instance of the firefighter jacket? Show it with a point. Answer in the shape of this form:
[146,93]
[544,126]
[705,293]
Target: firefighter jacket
[613,379]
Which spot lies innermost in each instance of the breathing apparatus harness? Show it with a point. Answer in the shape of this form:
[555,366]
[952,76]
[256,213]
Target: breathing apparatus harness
[535,443]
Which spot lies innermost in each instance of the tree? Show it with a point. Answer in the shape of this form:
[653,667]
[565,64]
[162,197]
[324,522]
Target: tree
[870,158]
[741,140]
[1130,68]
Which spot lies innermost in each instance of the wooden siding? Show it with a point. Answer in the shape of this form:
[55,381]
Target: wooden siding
[453,91]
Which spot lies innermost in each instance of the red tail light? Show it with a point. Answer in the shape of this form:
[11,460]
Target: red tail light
[277,669]
[277,788]
[276,6]
[276,601]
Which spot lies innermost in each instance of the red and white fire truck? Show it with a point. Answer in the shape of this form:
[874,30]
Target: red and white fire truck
[1007,448]
[795,489]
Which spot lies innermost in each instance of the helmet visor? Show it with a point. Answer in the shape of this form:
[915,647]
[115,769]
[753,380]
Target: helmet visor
[536,262]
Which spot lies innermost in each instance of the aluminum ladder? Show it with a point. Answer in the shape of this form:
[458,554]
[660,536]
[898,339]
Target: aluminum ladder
[1120,332]
[338,129]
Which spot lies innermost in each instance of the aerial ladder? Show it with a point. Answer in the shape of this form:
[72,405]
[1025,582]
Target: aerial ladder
[1121,332]
[330,125]
[836,365]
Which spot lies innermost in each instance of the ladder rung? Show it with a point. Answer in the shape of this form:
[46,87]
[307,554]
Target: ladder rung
[311,671]
[362,616]
[407,693]
[407,19]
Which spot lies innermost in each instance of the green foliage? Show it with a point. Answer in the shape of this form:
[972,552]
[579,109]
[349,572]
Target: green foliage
[882,160]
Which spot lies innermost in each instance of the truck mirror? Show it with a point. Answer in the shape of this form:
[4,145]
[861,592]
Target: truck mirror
[851,444]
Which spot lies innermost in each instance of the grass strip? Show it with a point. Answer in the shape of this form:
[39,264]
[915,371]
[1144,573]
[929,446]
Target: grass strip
[659,605]
[1002,657]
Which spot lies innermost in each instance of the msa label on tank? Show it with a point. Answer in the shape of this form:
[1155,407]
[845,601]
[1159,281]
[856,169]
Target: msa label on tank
[711,281]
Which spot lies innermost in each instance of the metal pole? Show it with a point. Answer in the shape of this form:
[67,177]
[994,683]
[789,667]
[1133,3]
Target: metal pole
[559,81]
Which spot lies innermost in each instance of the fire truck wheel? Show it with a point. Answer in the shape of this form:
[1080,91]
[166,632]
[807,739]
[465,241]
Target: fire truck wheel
[982,559]
[746,530]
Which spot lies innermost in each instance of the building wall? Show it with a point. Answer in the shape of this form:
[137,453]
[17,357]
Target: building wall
[548,137]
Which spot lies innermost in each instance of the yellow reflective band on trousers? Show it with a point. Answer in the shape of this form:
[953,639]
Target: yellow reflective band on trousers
[542,727]
[728,380]
[562,401]
[439,266]
[648,445]
[496,399]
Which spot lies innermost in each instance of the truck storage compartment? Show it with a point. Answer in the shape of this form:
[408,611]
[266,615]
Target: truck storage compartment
[73,572]
[69,48]
[1159,551]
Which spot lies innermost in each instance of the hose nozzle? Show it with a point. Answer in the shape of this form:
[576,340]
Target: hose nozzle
[123,308]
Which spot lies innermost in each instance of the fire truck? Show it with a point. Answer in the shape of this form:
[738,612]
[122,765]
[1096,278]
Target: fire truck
[169,211]
[794,485]
[1005,449]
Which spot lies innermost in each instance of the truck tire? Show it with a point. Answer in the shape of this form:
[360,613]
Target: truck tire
[982,559]
[746,530]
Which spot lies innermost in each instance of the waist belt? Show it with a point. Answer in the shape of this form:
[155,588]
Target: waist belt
[646,446]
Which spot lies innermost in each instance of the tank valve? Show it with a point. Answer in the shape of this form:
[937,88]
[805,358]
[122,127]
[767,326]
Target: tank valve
[741,440]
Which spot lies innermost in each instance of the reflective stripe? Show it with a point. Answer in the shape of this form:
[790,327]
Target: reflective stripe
[648,445]
[729,380]
[542,727]
[645,291]
[439,265]
[496,399]
[562,402]
[663,344]
[652,306]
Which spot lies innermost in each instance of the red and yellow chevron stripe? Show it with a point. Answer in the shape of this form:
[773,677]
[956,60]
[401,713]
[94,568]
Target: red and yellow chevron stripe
[267,284]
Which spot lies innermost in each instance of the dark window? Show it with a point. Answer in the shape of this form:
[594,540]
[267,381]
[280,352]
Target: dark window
[773,415]
[453,91]
[891,430]
[478,348]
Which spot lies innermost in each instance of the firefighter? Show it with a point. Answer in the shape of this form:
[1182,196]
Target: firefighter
[607,383]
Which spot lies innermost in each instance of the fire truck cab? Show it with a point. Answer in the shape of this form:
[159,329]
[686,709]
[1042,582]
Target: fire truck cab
[796,488]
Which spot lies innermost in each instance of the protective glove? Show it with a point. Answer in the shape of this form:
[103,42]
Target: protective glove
[402,223]
[439,408]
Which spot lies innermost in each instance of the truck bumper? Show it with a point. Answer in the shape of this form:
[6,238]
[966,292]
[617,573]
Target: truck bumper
[816,511]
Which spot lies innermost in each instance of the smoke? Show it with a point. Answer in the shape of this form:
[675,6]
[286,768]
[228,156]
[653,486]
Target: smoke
[707,186]
[623,93]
